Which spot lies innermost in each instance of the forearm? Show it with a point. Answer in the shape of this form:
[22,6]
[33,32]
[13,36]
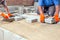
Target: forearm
[40,10]
[57,10]
[6,8]
[42,17]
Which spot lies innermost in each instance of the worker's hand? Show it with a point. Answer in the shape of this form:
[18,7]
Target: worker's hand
[42,18]
[56,17]
[10,15]
[5,15]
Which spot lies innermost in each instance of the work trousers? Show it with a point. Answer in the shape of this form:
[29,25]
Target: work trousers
[50,10]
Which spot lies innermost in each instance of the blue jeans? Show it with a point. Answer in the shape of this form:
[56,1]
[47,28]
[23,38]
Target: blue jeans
[48,10]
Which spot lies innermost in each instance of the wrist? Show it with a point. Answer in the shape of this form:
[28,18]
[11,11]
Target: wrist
[42,13]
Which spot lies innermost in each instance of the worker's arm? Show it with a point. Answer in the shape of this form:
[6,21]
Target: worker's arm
[5,5]
[40,10]
[6,16]
[6,8]
[56,15]
[57,10]
[42,17]
[56,3]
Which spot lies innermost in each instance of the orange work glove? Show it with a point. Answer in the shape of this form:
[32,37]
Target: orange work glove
[56,17]
[42,17]
[5,15]
[9,14]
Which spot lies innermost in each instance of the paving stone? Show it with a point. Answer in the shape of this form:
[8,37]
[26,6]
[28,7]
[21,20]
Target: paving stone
[31,20]
[49,20]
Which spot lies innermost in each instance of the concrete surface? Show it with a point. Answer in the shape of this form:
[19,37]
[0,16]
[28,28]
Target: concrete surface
[34,31]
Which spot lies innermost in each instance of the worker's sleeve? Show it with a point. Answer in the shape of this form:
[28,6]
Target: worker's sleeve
[56,2]
[40,3]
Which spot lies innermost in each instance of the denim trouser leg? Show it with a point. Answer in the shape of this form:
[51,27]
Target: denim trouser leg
[51,10]
[48,10]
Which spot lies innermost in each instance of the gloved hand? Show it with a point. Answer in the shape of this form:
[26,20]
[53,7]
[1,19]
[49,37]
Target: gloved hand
[42,17]
[9,14]
[5,15]
[56,17]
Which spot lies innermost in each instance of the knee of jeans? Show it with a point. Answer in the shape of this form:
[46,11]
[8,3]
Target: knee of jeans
[51,14]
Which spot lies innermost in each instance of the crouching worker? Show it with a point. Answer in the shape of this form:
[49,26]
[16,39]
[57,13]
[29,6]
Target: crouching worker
[3,2]
[51,7]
